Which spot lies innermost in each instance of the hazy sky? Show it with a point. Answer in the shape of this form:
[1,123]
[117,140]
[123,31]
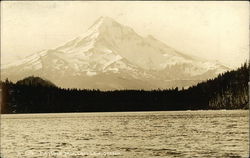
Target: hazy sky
[211,30]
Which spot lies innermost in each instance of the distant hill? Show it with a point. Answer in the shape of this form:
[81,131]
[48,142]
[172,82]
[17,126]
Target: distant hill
[35,81]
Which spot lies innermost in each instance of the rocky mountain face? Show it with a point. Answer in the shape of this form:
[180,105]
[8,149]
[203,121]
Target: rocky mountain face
[113,56]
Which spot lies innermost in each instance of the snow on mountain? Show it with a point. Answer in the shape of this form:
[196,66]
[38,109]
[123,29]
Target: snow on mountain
[113,56]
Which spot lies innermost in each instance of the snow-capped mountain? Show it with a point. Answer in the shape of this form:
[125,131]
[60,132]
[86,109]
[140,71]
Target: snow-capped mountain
[113,56]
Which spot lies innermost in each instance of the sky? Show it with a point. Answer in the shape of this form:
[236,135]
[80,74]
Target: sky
[210,30]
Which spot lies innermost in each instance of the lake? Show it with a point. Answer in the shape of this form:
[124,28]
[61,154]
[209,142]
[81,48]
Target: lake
[220,133]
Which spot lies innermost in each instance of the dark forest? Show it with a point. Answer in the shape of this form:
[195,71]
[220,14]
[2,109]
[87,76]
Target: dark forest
[35,95]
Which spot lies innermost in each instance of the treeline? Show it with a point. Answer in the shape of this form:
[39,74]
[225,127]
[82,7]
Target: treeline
[35,95]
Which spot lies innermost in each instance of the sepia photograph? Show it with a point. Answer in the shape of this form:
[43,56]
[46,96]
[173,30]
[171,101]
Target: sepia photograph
[124,79]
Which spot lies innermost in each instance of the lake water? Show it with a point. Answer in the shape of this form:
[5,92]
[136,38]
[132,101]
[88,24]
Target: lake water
[126,134]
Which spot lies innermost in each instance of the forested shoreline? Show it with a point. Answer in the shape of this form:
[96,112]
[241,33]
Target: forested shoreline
[35,95]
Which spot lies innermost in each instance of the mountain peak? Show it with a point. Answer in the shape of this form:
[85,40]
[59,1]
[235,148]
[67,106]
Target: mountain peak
[113,55]
[104,22]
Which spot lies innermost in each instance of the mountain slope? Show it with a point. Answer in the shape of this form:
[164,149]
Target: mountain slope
[227,91]
[113,56]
